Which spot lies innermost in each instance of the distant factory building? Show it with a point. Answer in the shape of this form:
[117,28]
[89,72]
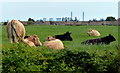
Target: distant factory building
[44,19]
[66,18]
[51,19]
[58,19]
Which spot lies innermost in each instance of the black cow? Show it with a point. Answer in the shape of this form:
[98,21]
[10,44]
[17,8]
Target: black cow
[104,40]
[64,37]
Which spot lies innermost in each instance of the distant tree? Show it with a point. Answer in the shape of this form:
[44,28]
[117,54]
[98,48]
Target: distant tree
[75,19]
[30,22]
[41,21]
[90,20]
[101,19]
[5,23]
[110,18]
[94,19]
[30,19]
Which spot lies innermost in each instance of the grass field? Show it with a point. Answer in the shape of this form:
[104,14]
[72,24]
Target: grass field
[78,34]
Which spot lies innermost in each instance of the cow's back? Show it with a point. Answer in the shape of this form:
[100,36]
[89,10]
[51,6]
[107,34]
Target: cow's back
[19,28]
[93,33]
[15,31]
[54,44]
[31,44]
[96,33]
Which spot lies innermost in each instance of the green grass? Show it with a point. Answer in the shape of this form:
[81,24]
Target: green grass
[78,34]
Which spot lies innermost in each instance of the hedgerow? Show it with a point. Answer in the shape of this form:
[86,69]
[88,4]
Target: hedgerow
[20,57]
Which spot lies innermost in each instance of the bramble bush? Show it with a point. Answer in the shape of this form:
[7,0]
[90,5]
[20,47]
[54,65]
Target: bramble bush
[21,57]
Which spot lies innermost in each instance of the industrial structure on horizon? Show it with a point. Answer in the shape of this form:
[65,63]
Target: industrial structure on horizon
[63,18]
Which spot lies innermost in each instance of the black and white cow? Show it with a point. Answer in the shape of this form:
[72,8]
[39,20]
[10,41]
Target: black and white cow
[64,37]
[104,40]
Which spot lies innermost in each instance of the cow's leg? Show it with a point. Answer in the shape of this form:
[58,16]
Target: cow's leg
[9,33]
[15,37]
[22,38]
[23,34]
[10,39]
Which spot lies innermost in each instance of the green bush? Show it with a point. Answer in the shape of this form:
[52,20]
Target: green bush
[20,57]
[30,22]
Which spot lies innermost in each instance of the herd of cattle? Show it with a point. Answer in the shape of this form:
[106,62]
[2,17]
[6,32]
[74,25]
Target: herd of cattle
[16,32]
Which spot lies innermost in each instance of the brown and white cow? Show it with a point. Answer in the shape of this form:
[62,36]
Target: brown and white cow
[15,31]
[32,41]
[53,43]
[92,32]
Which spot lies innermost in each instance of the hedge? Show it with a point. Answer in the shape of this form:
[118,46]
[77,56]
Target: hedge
[20,57]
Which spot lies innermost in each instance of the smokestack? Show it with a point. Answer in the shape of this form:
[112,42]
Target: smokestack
[83,16]
[71,16]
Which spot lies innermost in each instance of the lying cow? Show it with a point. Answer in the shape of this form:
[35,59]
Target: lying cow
[92,32]
[64,37]
[32,40]
[15,31]
[53,43]
[104,40]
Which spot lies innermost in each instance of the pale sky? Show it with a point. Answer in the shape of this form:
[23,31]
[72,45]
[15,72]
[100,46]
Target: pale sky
[59,0]
[46,9]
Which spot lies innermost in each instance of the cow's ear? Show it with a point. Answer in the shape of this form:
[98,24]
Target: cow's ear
[35,35]
[66,32]
[48,37]
[109,34]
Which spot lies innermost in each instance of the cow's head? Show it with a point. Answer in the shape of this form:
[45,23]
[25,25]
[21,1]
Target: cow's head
[111,38]
[89,30]
[35,40]
[49,38]
[68,37]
